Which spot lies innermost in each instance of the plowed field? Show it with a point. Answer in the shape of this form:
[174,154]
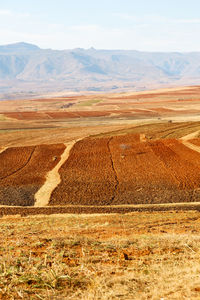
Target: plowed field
[129,166]
[142,177]
[14,159]
[87,176]
[23,171]
[123,170]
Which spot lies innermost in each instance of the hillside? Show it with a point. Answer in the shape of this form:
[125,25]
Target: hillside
[27,70]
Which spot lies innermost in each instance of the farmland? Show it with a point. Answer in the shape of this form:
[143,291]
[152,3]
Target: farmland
[141,172]
[99,196]
[138,165]
[127,149]
[22,172]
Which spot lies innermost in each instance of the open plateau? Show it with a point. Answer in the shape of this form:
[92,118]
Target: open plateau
[119,176]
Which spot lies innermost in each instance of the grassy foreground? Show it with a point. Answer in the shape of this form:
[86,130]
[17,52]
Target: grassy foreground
[140,255]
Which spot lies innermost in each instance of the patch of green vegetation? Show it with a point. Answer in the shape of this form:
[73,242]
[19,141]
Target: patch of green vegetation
[89,102]
[2,117]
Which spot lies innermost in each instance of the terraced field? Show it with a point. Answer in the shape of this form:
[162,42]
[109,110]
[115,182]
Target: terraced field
[118,168]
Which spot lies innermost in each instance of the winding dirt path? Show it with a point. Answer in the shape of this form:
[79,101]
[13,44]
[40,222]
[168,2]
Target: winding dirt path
[190,136]
[185,140]
[3,149]
[53,179]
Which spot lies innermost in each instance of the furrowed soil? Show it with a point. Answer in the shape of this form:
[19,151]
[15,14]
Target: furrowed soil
[23,172]
[134,154]
[138,165]
[84,178]
[123,170]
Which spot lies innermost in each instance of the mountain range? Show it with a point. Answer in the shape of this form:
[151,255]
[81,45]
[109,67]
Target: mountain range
[27,70]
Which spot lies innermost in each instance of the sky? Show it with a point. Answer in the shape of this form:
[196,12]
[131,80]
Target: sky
[145,25]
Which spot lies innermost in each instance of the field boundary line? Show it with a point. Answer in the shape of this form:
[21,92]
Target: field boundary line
[114,170]
[109,209]
[149,205]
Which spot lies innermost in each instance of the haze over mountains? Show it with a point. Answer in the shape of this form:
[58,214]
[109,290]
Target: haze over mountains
[28,71]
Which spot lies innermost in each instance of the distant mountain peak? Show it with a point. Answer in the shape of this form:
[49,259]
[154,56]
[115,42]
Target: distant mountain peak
[25,45]
[19,47]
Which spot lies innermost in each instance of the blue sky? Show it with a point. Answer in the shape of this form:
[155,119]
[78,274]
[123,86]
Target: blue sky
[147,25]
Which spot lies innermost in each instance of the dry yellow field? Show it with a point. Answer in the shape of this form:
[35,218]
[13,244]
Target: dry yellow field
[146,255]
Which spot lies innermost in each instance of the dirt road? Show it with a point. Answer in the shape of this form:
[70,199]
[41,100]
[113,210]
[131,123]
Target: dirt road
[185,140]
[53,179]
[2,149]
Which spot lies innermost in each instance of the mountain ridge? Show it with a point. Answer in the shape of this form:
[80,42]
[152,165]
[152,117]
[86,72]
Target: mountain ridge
[26,68]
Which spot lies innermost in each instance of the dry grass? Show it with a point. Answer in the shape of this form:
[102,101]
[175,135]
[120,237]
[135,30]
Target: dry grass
[132,256]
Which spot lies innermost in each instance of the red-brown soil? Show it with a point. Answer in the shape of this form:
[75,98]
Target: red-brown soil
[182,163]
[27,115]
[112,168]
[55,115]
[122,170]
[87,176]
[62,115]
[23,172]
[13,159]
[142,177]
